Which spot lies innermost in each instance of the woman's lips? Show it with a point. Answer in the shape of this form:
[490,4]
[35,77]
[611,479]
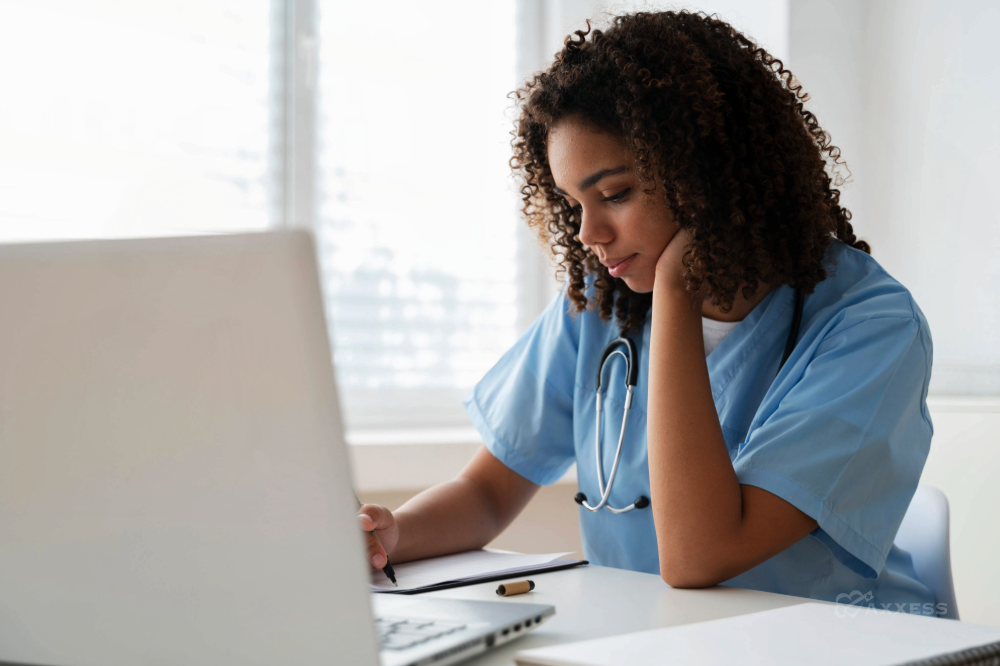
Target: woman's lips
[617,270]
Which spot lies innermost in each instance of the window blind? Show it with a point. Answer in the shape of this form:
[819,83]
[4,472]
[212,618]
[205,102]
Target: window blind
[416,216]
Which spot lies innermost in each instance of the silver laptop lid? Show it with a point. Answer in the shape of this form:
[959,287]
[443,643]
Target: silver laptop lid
[174,487]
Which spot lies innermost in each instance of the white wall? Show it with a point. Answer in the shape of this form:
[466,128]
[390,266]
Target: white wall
[963,462]
[766,21]
[910,90]
[933,139]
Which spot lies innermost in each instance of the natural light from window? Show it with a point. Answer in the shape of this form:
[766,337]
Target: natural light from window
[417,216]
[133,118]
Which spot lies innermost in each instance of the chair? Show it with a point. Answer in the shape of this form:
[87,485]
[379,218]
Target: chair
[924,534]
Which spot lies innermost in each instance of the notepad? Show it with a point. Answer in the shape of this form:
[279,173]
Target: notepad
[474,566]
[820,634]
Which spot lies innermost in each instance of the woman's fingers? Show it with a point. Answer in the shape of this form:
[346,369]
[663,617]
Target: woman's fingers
[379,517]
[376,553]
[373,517]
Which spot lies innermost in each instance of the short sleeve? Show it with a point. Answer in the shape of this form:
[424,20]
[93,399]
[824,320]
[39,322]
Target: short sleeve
[523,407]
[847,443]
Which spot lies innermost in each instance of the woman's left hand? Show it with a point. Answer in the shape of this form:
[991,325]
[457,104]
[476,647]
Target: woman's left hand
[669,267]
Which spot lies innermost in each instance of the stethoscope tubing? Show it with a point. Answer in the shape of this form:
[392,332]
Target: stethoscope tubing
[606,491]
[631,379]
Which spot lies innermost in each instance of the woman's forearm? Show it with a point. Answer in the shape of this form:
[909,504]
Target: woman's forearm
[448,518]
[695,494]
[709,527]
[462,514]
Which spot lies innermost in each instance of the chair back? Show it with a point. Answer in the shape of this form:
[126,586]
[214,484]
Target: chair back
[924,533]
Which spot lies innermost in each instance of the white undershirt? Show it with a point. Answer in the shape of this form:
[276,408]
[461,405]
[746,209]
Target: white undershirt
[715,332]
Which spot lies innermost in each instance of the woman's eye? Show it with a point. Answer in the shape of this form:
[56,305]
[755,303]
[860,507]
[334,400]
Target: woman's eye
[620,196]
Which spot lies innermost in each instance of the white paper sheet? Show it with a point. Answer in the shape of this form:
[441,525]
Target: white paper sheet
[467,567]
[818,634]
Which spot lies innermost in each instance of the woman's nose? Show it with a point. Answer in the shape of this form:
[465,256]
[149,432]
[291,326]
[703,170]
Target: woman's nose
[594,230]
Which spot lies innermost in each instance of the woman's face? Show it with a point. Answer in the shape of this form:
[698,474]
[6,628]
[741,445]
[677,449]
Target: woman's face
[624,227]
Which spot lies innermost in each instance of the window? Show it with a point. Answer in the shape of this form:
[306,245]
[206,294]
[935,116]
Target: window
[133,119]
[363,121]
[416,212]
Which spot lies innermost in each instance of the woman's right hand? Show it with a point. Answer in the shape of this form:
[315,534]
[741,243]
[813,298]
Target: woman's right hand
[378,518]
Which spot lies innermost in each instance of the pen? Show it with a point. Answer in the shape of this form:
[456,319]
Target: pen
[387,569]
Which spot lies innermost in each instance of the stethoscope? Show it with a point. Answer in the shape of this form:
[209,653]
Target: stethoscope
[625,347]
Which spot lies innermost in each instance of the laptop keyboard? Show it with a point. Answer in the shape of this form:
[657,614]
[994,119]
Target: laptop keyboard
[398,633]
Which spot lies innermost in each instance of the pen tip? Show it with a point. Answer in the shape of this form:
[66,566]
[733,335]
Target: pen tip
[395,583]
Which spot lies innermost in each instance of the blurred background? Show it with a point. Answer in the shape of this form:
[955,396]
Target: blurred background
[384,127]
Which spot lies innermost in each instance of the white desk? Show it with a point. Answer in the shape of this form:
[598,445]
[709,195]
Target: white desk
[595,601]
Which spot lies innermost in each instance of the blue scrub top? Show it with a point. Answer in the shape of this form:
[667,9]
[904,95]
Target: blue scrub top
[841,432]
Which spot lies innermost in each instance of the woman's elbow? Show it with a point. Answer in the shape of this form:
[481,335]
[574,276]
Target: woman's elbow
[687,581]
[688,574]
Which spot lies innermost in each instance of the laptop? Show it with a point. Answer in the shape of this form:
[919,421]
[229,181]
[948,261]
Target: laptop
[174,484]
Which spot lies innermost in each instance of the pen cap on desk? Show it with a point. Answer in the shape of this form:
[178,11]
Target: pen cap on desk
[519,587]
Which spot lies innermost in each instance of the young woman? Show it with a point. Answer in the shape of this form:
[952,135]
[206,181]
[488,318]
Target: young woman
[778,426]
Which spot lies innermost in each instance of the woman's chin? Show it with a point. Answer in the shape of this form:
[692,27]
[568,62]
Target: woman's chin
[640,284]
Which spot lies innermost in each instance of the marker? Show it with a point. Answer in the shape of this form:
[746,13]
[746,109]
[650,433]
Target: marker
[387,569]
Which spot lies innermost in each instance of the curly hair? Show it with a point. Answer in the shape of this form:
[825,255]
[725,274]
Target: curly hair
[720,125]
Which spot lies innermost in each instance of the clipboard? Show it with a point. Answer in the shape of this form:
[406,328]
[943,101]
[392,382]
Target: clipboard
[558,564]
